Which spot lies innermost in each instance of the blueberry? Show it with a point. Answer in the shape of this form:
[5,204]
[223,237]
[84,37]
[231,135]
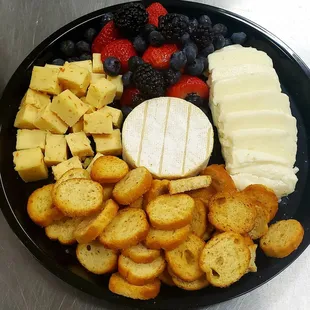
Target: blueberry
[196,68]
[72,59]
[67,48]
[190,51]
[134,62]
[172,77]
[220,29]
[106,18]
[228,42]
[178,60]
[185,18]
[219,42]
[58,62]
[238,37]
[148,29]
[207,50]
[127,78]
[90,34]
[126,110]
[185,38]
[139,44]
[193,23]
[112,66]
[156,38]
[195,99]
[82,47]
[205,20]
[85,56]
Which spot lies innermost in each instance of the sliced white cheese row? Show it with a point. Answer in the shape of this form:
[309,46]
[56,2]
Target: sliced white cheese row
[257,131]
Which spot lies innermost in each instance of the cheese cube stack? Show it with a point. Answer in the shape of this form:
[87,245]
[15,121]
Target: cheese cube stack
[257,131]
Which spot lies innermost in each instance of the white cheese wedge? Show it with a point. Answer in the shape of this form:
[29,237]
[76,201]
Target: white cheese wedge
[171,137]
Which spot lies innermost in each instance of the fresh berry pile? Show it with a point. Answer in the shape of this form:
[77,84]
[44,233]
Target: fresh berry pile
[158,53]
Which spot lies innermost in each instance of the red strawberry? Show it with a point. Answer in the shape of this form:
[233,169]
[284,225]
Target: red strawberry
[121,49]
[188,84]
[159,57]
[107,34]
[155,10]
[128,95]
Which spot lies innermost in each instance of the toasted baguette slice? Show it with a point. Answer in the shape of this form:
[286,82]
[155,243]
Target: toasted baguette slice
[40,206]
[158,188]
[248,239]
[166,278]
[209,231]
[263,196]
[171,212]
[196,285]
[141,254]
[204,194]
[282,238]
[252,265]
[231,211]
[91,227]
[118,285]
[96,258]
[199,220]
[221,180]
[78,197]
[107,191]
[189,184]
[184,260]
[63,230]
[140,274]
[261,223]
[75,173]
[137,204]
[134,185]
[128,228]
[225,259]
[166,239]
[109,169]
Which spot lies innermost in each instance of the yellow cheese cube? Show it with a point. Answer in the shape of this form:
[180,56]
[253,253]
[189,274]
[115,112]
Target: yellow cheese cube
[117,81]
[48,120]
[68,107]
[101,93]
[97,63]
[91,109]
[30,164]
[86,64]
[36,99]
[109,144]
[79,144]
[92,162]
[45,79]
[26,117]
[53,67]
[30,139]
[98,123]
[97,76]
[117,115]
[65,166]
[78,126]
[55,149]
[75,78]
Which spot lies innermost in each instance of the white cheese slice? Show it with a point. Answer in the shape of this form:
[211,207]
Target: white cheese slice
[171,137]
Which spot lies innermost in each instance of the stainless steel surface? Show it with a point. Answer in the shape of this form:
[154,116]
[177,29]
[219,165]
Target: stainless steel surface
[24,283]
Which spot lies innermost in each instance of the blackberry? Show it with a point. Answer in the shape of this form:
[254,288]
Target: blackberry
[149,81]
[194,98]
[137,99]
[106,18]
[131,18]
[202,35]
[173,26]
[172,77]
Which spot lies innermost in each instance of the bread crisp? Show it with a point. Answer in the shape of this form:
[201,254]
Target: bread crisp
[107,191]
[63,230]
[225,259]
[118,285]
[141,254]
[189,184]
[263,196]
[196,285]
[166,278]
[40,206]
[282,238]
[140,274]
[199,220]
[261,223]
[171,212]
[96,258]
[209,231]
[134,185]
[158,188]
[128,228]
[231,211]
[184,260]
[204,194]
[252,265]
[91,227]
[137,204]
[166,239]
[78,197]
[109,169]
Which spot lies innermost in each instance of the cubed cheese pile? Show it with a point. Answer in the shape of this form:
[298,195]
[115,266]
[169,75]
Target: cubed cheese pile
[257,131]
[62,109]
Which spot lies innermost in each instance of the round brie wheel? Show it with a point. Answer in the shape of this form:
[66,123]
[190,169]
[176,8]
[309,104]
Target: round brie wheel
[170,137]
